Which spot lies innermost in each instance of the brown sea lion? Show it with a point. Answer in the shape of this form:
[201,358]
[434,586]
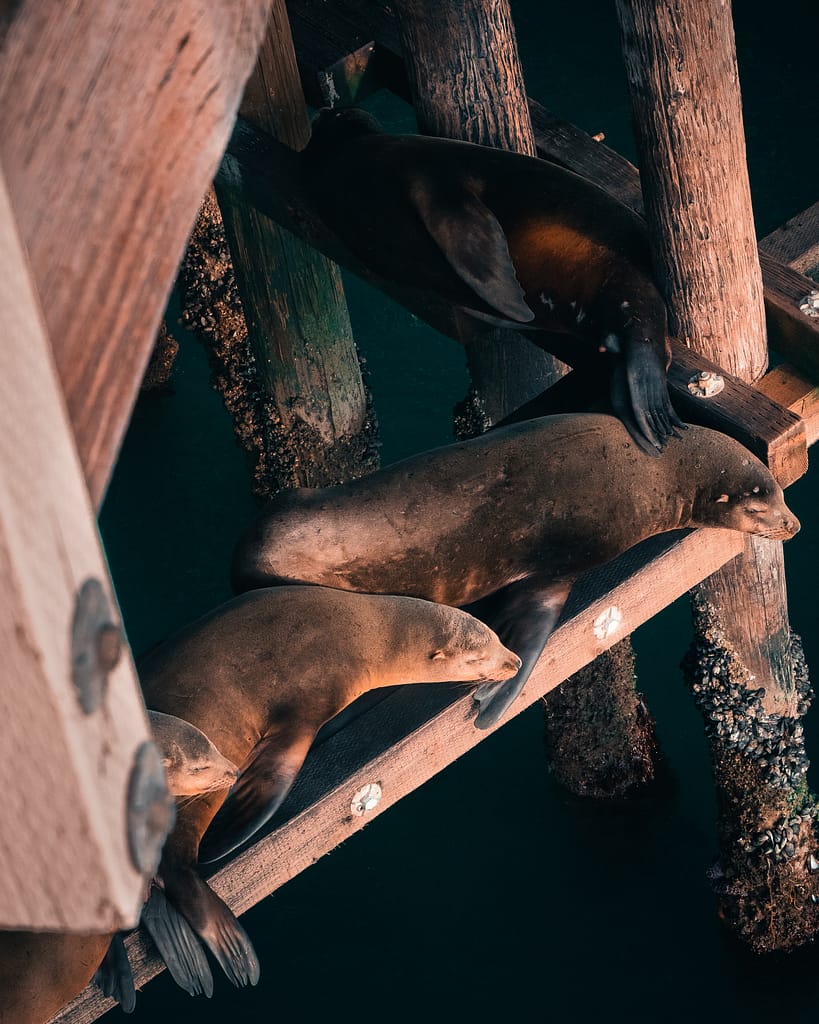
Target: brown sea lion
[261,675]
[511,239]
[42,971]
[504,524]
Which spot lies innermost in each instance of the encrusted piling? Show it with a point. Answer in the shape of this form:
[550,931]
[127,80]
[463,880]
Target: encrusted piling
[290,362]
[750,685]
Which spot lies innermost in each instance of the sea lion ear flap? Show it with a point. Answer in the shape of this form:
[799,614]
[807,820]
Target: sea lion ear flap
[265,780]
[473,242]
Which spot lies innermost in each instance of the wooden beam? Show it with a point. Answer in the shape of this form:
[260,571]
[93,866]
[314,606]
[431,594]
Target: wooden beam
[417,731]
[796,243]
[65,771]
[113,118]
[785,385]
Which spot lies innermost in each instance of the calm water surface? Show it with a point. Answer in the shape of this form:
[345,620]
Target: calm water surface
[487,893]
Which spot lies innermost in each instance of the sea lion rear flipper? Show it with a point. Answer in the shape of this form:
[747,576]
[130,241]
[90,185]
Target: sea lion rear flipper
[177,944]
[115,977]
[213,921]
[639,396]
[265,780]
[471,238]
[523,615]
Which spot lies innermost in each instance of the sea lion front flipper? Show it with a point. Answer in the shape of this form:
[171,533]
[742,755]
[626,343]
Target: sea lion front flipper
[523,615]
[177,944]
[471,238]
[264,781]
[115,977]
[639,396]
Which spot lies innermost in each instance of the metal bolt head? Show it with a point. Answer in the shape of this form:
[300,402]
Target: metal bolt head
[96,645]
[366,799]
[810,305]
[706,384]
[151,809]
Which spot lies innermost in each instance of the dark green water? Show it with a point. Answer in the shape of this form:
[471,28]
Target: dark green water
[486,893]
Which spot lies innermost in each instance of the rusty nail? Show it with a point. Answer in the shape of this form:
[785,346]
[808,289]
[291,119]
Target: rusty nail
[151,810]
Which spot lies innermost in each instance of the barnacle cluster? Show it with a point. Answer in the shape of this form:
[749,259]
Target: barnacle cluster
[296,455]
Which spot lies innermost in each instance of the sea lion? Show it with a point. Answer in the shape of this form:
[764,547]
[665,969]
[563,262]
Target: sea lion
[506,238]
[503,524]
[261,675]
[42,971]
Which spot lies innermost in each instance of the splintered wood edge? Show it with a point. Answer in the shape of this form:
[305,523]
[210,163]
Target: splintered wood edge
[327,820]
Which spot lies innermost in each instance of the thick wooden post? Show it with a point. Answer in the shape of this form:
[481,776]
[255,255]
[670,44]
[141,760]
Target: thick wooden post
[745,669]
[72,720]
[294,378]
[466,83]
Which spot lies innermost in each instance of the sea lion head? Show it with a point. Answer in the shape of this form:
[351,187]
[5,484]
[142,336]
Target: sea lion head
[462,648]
[743,495]
[192,763]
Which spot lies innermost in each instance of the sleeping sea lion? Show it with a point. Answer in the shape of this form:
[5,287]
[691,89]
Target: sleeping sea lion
[42,971]
[261,675]
[510,239]
[504,523]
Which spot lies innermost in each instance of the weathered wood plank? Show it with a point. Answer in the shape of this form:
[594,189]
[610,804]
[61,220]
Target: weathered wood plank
[421,730]
[774,433]
[796,243]
[785,385]
[63,791]
[113,118]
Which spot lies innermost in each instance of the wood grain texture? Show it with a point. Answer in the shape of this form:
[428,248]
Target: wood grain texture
[796,243]
[304,356]
[774,433]
[466,83]
[416,731]
[63,795]
[687,113]
[785,385]
[112,119]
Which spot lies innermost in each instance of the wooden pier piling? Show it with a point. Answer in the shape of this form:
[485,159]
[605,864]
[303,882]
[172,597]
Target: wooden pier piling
[294,383]
[746,676]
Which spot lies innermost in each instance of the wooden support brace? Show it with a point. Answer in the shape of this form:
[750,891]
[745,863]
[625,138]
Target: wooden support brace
[65,770]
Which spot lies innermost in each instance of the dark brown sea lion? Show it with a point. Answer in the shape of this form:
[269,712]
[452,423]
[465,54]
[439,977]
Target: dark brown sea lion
[261,675]
[507,238]
[42,971]
[506,522]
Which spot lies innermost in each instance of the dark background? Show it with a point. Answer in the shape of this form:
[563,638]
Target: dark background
[488,893]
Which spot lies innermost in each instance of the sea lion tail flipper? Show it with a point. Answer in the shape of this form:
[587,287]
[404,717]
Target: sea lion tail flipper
[177,944]
[265,780]
[523,615]
[471,238]
[115,977]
